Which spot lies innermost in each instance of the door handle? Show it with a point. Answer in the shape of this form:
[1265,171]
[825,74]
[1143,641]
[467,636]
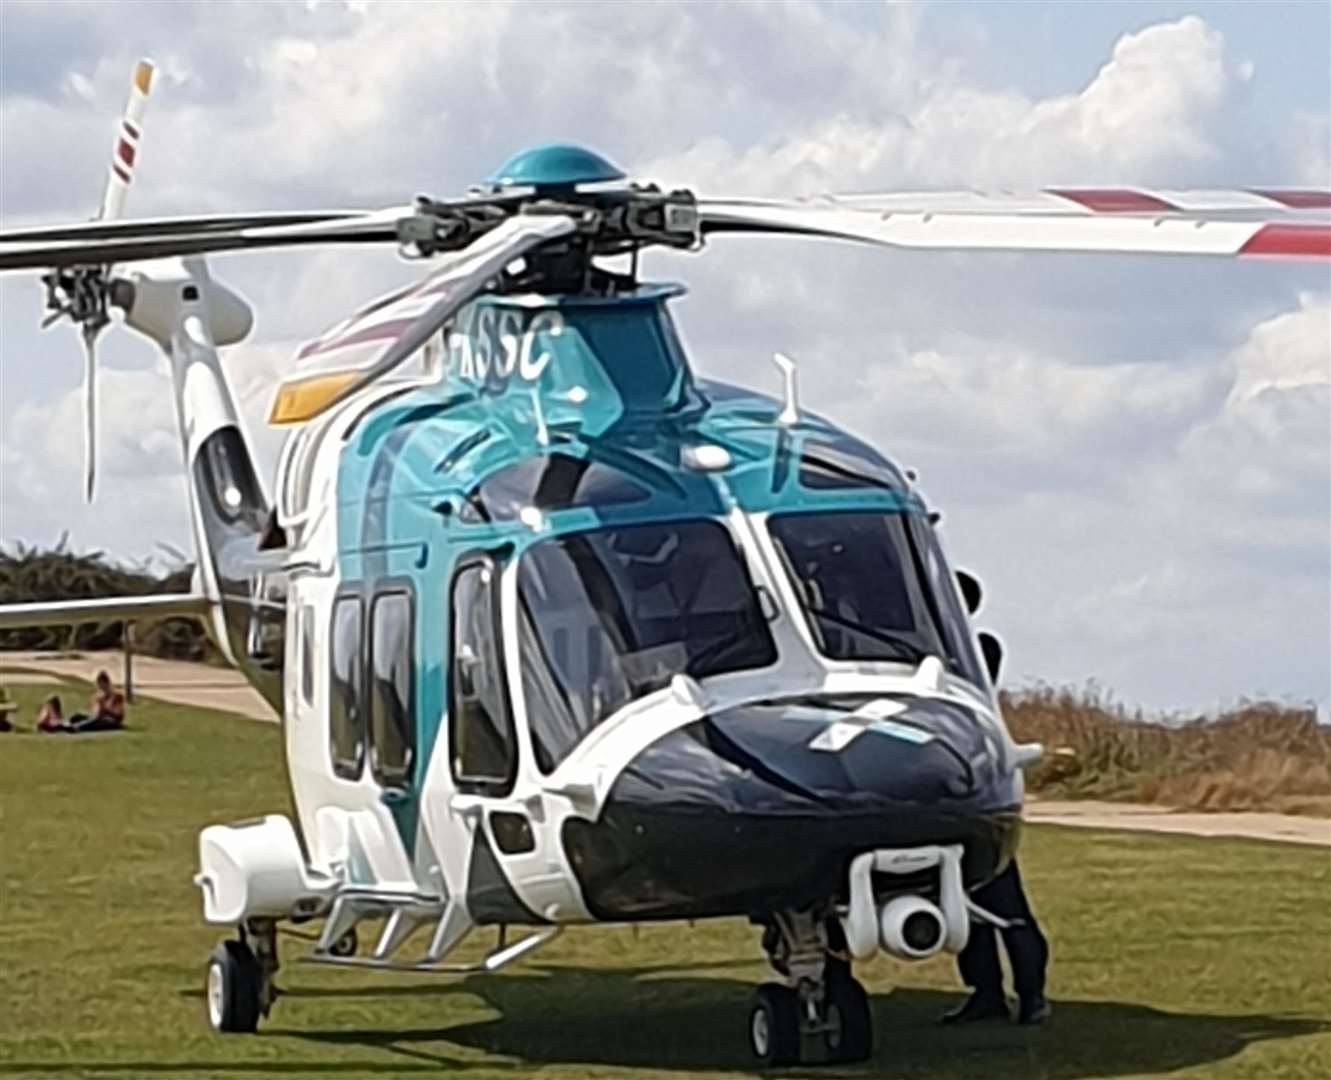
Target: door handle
[467,807]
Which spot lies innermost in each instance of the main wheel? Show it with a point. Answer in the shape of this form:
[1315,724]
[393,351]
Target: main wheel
[849,1022]
[346,945]
[774,1025]
[232,988]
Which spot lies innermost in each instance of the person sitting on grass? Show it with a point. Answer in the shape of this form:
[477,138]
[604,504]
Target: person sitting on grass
[51,717]
[107,711]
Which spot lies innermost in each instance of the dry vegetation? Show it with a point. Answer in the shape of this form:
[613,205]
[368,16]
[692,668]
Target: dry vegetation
[1258,756]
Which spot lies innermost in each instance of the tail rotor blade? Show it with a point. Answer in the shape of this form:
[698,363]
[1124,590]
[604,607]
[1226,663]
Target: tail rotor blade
[89,411]
[121,173]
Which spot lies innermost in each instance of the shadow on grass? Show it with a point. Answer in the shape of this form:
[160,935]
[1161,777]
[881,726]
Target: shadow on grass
[686,1024]
[615,1019]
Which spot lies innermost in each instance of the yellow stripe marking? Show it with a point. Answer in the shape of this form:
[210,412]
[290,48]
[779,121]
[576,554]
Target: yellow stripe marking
[304,399]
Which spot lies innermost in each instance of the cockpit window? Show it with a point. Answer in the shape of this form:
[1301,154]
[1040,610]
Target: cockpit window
[611,615]
[554,482]
[838,466]
[872,585]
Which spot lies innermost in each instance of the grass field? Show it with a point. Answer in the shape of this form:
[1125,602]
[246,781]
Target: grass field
[1196,958]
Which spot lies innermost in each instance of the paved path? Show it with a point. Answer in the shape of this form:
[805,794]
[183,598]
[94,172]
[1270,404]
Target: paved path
[1290,828]
[167,680]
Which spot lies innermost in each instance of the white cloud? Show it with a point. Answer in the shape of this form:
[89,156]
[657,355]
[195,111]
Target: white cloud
[140,496]
[1154,113]
[1132,453]
[1162,527]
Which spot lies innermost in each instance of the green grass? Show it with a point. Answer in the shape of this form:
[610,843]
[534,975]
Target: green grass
[1196,958]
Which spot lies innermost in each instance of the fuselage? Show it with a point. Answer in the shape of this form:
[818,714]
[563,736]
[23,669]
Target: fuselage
[580,636]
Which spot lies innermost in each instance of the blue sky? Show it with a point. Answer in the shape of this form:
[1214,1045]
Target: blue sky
[1134,454]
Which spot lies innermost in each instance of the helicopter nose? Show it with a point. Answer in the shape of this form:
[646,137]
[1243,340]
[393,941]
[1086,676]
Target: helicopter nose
[764,805]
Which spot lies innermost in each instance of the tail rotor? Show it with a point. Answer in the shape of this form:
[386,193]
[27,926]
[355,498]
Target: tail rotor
[84,294]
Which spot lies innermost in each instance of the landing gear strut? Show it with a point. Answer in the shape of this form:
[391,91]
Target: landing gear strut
[819,1013]
[238,985]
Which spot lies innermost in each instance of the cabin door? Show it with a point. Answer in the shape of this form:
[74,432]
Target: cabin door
[514,863]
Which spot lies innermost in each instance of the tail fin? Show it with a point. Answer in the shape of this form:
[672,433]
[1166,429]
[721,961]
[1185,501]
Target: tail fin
[178,304]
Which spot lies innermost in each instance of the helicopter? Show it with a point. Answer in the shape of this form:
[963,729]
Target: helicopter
[560,632]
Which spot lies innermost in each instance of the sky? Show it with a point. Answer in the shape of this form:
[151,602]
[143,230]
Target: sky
[1133,454]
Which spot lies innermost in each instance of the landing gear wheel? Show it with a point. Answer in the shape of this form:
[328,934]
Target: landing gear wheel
[849,1031]
[346,945]
[233,988]
[774,1025]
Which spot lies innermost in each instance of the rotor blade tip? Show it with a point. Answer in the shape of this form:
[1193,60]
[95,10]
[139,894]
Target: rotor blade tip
[143,75]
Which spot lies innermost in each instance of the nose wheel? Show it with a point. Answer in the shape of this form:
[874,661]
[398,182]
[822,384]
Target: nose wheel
[774,1025]
[820,1014]
[849,1023]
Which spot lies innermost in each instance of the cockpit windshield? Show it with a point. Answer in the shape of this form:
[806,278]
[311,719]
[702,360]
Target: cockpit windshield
[610,615]
[875,587]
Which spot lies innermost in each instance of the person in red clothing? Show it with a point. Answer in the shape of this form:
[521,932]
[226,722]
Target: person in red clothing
[51,717]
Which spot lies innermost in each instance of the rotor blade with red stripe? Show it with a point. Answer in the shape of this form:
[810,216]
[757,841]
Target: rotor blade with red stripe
[1081,220]
[1267,203]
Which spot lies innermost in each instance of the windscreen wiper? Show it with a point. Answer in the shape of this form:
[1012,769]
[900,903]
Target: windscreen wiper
[710,656]
[914,652]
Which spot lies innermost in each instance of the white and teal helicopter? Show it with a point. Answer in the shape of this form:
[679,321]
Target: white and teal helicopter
[561,633]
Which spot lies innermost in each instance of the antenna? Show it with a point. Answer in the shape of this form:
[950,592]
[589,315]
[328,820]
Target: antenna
[790,411]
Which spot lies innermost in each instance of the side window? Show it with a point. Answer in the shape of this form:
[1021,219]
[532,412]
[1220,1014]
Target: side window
[392,708]
[483,748]
[951,616]
[346,709]
[306,623]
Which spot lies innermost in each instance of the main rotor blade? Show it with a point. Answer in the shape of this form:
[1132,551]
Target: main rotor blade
[128,241]
[161,227]
[1229,203]
[954,221]
[442,294]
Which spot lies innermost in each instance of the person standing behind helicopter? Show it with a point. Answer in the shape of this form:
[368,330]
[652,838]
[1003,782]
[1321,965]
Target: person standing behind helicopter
[1027,951]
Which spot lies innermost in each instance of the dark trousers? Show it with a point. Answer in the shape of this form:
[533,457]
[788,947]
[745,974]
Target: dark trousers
[81,722]
[1027,950]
